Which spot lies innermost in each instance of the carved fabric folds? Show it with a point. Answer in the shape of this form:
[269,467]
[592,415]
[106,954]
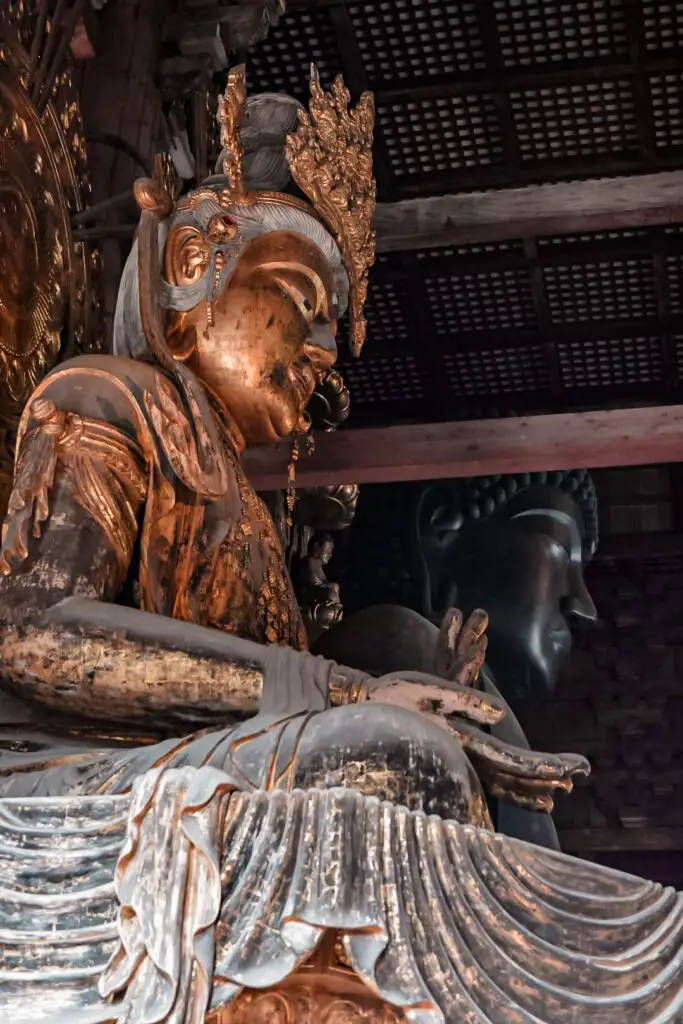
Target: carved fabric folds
[451,923]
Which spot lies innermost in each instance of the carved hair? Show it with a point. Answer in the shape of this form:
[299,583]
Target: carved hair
[484,496]
[261,218]
[267,120]
[386,562]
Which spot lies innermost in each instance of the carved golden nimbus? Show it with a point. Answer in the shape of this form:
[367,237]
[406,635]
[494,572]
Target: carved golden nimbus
[45,277]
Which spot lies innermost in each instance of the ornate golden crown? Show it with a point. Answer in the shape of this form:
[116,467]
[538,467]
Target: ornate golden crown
[330,159]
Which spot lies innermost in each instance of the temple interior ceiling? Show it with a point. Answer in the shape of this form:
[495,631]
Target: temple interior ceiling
[492,95]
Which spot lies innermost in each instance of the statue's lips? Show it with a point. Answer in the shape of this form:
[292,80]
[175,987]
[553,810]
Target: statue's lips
[302,381]
[561,639]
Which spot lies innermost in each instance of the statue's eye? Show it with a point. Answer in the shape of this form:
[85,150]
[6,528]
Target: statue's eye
[301,291]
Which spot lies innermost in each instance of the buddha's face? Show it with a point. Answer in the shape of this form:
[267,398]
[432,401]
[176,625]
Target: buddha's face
[526,572]
[269,336]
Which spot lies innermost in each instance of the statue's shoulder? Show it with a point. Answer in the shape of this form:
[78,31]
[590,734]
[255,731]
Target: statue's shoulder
[111,389]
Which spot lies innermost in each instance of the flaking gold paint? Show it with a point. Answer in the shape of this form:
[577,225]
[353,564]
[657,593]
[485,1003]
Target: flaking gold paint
[111,677]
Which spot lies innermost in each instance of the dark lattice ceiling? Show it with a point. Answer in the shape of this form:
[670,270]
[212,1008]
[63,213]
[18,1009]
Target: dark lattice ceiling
[477,94]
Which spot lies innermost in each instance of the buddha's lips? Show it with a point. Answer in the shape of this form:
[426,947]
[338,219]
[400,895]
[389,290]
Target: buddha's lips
[561,639]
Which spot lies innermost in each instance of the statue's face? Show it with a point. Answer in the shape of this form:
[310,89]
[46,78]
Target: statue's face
[273,329]
[521,571]
[324,551]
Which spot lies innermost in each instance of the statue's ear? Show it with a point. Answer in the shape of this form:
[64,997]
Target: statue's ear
[186,256]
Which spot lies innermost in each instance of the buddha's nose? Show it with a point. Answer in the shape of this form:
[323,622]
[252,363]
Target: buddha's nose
[321,346]
[578,603]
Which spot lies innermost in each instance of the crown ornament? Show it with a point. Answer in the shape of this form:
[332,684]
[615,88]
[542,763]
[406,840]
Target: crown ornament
[330,159]
[230,110]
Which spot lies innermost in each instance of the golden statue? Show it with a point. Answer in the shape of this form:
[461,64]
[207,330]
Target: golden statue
[129,487]
[297,841]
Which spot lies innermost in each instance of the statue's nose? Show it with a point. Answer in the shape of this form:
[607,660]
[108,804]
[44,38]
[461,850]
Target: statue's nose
[321,346]
[578,603]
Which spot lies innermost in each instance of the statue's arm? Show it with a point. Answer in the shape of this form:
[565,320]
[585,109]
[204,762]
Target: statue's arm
[72,520]
[72,525]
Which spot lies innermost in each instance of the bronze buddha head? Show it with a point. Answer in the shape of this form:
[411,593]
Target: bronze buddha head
[253,280]
[514,545]
[524,564]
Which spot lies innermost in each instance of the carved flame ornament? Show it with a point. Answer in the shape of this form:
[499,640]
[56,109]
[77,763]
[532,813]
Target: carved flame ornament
[330,157]
[45,277]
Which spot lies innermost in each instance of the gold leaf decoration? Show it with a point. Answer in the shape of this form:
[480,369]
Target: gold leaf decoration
[330,157]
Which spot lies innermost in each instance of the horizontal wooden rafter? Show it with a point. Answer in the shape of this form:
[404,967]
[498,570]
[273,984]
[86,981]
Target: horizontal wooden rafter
[621,437]
[606,204]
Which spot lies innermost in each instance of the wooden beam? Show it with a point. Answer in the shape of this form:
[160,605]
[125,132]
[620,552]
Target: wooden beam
[622,437]
[603,205]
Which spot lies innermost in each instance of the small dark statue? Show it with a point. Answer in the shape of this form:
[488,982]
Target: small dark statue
[318,597]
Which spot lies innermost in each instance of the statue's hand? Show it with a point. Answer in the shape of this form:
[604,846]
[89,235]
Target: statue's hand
[459,656]
[461,649]
[514,774]
[434,697]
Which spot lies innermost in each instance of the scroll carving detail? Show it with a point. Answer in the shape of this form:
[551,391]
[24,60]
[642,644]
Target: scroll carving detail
[308,1005]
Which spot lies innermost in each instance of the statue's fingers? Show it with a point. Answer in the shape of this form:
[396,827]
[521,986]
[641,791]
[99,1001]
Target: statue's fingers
[517,760]
[447,642]
[467,667]
[531,794]
[451,626]
[441,696]
[477,623]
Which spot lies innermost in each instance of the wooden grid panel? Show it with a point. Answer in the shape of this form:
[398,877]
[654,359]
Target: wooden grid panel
[674,280]
[615,289]
[678,351]
[485,371]
[282,61]
[440,134]
[380,380]
[487,93]
[666,92]
[491,300]
[404,39]
[663,24]
[575,120]
[470,251]
[389,326]
[586,363]
[543,31]
[588,242]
